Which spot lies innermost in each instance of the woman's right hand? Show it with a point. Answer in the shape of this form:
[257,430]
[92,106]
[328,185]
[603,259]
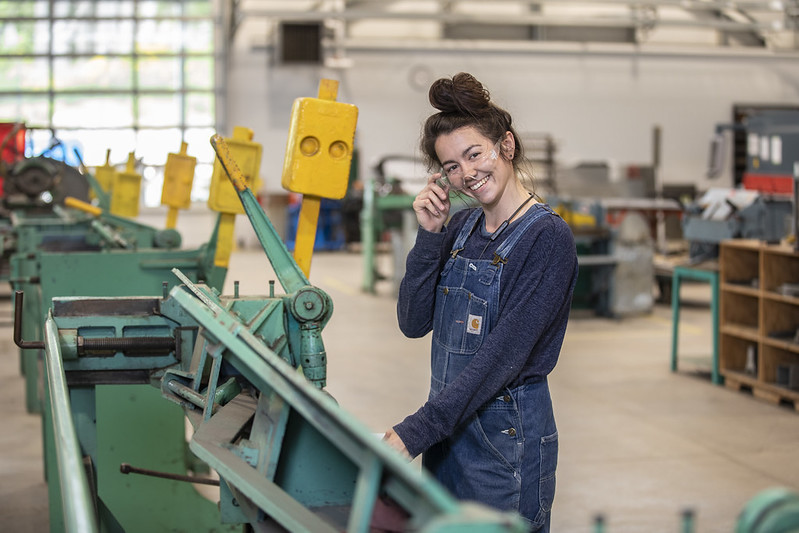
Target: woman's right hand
[431,205]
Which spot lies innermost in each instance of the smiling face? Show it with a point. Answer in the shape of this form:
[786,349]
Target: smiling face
[475,165]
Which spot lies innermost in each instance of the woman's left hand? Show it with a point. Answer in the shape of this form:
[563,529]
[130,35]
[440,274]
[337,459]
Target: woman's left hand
[394,440]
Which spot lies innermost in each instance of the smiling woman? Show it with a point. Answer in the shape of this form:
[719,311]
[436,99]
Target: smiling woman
[487,431]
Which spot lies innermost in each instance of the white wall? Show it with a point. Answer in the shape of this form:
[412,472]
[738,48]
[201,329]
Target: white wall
[598,105]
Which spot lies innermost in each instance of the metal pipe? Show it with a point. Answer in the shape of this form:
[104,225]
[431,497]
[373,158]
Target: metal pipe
[125,468]
[187,393]
[524,19]
[548,48]
[75,495]
[222,394]
[25,345]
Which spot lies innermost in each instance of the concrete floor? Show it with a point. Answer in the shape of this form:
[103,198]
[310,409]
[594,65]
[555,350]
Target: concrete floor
[639,444]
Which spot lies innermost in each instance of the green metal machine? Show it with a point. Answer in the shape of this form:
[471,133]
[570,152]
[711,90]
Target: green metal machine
[249,373]
[774,510]
[75,248]
[74,252]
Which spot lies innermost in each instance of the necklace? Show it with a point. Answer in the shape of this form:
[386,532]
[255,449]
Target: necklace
[504,225]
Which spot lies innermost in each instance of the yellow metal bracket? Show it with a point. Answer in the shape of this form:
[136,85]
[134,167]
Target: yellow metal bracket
[318,157]
[223,197]
[178,179]
[126,190]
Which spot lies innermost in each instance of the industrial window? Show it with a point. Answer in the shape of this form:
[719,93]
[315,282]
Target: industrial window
[120,75]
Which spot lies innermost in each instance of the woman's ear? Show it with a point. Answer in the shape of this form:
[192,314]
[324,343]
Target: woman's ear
[508,145]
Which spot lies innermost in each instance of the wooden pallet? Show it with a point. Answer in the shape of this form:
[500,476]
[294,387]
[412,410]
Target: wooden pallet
[771,393]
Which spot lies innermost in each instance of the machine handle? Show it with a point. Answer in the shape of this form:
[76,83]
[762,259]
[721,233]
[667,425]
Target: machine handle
[25,345]
[288,272]
[108,234]
[80,205]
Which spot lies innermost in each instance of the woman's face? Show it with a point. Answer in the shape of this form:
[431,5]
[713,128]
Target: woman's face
[473,164]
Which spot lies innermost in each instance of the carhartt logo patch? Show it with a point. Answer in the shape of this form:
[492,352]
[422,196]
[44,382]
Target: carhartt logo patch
[474,325]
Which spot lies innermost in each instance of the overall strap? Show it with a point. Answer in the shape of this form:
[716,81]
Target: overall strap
[504,249]
[466,230]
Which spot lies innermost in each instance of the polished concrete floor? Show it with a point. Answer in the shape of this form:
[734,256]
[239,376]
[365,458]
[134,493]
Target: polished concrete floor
[638,444]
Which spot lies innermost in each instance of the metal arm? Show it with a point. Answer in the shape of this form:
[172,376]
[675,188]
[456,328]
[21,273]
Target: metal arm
[288,272]
[77,501]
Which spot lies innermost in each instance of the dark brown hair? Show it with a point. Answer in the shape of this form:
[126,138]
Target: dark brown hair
[463,101]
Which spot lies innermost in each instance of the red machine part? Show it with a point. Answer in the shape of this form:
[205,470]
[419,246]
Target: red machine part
[12,140]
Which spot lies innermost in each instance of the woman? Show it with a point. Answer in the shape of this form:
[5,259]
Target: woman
[495,286]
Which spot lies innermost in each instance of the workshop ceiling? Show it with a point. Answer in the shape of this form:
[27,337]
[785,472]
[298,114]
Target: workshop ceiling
[388,24]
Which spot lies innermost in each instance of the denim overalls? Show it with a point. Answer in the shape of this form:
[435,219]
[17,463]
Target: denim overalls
[505,455]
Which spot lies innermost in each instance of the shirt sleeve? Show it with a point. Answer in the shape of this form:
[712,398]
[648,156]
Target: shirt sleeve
[415,306]
[539,293]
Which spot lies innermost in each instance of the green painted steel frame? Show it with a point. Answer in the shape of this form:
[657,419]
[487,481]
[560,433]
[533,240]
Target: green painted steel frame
[76,501]
[119,423]
[700,274]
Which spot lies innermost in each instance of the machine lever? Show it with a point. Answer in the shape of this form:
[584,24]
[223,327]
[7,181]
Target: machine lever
[25,345]
[125,468]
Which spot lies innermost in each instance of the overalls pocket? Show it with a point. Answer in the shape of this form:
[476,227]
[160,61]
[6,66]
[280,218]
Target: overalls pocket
[548,450]
[461,320]
[499,423]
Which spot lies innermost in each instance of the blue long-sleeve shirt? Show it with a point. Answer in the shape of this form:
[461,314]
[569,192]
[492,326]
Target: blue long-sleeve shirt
[523,346]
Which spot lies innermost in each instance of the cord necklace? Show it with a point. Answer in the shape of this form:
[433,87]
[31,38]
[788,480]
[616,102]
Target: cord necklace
[504,225]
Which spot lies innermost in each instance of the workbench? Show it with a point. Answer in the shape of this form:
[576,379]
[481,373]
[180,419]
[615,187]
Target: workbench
[709,273]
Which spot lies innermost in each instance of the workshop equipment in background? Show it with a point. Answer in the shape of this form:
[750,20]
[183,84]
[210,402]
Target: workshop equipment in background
[330,232]
[43,181]
[84,250]
[317,161]
[178,180]
[105,175]
[126,190]
[12,144]
[35,184]
[288,456]
[616,261]
[222,196]
[724,213]
[765,138]
[111,256]
[387,209]
[760,204]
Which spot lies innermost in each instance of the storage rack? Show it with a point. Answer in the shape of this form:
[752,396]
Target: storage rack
[759,319]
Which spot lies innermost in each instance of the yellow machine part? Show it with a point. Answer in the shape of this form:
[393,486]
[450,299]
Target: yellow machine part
[126,190]
[105,174]
[318,157]
[575,219]
[178,179]
[320,144]
[74,203]
[222,196]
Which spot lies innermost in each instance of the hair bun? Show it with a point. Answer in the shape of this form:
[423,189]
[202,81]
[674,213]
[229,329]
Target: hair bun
[462,94]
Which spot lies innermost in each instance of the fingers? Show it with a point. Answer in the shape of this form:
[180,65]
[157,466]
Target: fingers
[434,198]
[432,204]
[440,185]
[394,440]
[427,204]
